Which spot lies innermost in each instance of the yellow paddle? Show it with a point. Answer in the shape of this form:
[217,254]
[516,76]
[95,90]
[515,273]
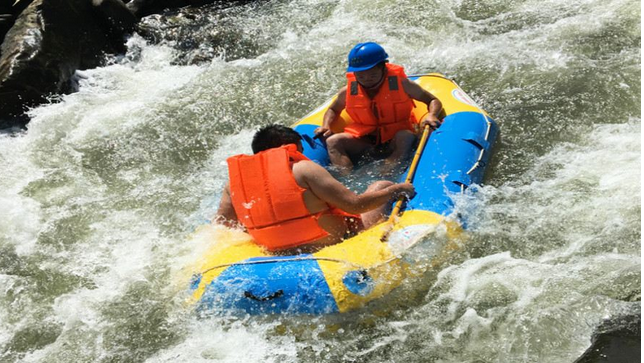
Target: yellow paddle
[408,179]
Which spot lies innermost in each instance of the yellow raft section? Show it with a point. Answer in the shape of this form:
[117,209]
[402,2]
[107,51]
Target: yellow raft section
[366,252]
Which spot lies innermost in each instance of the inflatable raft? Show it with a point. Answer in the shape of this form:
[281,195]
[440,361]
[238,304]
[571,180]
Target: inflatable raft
[238,276]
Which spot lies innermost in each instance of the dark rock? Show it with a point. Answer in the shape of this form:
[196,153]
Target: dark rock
[142,8]
[6,19]
[201,34]
[49,41]
[137,7]
[19,6]
[120,21]
[9,11]
[617,340]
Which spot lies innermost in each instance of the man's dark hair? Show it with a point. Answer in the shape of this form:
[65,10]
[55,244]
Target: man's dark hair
[272,136]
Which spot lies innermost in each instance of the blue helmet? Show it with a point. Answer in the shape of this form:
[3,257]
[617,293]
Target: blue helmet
[366,56]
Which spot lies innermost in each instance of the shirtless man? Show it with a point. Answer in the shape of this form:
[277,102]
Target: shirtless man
[288,202]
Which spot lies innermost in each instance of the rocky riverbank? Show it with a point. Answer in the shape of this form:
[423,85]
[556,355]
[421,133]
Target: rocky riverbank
[44,42]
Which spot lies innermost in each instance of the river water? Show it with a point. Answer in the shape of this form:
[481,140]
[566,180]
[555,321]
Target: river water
[98,197]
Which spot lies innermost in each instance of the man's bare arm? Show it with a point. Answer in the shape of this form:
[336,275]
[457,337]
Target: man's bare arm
[331,191]
[434,105]
[332,113]
[226,214]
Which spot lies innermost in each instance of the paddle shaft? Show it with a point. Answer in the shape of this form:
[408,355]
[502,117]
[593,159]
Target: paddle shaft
[408,179]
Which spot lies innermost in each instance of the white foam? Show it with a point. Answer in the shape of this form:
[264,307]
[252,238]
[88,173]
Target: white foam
[208,341]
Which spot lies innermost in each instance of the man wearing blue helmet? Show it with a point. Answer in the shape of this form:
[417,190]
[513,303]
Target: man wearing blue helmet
[379,98]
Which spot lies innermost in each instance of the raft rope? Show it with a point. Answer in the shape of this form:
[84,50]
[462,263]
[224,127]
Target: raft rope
[259,262]
[327,259]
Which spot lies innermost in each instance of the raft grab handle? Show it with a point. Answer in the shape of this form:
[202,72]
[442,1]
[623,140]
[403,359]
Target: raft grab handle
[272,296]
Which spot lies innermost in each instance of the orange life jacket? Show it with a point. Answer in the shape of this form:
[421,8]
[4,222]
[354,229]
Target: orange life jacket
[387,113]
[269,202]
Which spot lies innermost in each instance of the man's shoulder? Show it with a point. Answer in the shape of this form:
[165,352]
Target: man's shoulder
[307,168]
[305,164]
[306,171]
